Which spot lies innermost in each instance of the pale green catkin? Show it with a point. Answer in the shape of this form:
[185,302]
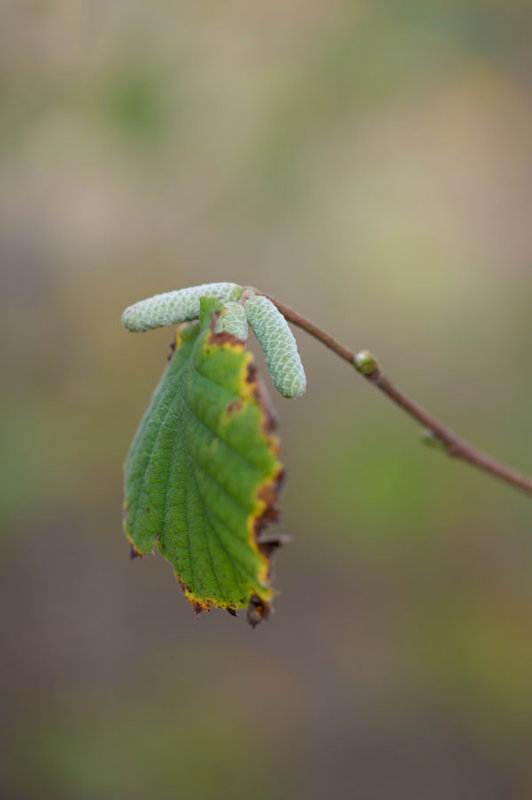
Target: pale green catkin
[233,320]
[278,344]
[173,307]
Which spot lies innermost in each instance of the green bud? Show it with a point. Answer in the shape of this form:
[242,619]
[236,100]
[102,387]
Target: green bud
[366,363]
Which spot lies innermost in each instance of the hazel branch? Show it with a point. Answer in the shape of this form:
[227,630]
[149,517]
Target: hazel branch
[367,365]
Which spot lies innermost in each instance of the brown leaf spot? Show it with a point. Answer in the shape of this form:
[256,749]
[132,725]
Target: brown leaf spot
[268,544]
[269,494]
[257,611]
[198,608]
[172,349]
[234,407]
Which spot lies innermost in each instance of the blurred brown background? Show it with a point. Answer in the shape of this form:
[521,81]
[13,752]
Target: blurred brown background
[370,164]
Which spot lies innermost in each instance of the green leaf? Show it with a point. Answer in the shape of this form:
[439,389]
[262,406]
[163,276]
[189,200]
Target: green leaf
[203,474]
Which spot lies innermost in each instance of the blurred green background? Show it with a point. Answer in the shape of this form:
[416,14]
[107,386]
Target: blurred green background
[369,163]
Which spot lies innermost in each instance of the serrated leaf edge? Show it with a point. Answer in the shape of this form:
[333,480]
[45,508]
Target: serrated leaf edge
[267,493]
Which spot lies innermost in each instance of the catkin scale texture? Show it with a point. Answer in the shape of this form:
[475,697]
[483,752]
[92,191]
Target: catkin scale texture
[233,320]
[171,308]
[279,346]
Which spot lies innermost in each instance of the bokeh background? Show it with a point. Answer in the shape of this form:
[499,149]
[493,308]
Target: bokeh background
[370,164]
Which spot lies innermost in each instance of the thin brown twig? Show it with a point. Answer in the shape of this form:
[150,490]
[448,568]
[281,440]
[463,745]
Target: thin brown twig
[366,364]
